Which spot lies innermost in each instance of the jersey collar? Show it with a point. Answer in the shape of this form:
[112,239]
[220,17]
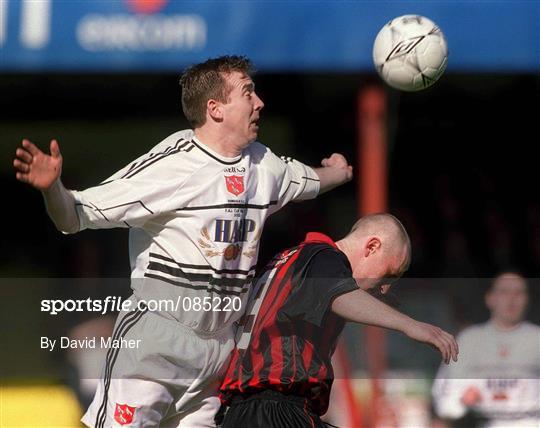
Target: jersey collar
[319,237]
[213,154]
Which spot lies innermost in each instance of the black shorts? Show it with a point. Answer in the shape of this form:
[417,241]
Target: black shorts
[271,409]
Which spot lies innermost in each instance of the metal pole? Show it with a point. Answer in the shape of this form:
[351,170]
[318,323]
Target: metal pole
[372,185]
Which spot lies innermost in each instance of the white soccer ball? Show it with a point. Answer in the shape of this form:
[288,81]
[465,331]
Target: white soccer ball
[410,53]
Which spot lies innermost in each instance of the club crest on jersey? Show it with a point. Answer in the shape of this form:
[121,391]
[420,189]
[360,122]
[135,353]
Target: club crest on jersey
[235,184]
[123,414]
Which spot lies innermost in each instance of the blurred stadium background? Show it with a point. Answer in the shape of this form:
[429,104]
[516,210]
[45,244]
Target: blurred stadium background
[462,170]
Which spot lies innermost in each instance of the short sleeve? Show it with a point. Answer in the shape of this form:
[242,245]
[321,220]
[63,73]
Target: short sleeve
[327,275]
[300,182]
[291,179]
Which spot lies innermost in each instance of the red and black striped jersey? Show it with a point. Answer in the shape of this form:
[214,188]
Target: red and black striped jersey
[288,334]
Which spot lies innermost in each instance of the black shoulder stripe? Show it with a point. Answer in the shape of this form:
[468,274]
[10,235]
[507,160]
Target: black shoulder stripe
[156,158]
[137,167]
[132,166]
[286,159]
[150,157]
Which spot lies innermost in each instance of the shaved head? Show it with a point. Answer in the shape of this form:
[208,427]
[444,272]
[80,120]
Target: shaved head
[379,251]
[393,235]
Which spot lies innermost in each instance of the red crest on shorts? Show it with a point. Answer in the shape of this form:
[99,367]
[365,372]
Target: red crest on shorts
[235,184]
[123,414]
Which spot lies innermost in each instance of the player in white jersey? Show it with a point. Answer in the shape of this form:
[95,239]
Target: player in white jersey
[497,378]
[195,205]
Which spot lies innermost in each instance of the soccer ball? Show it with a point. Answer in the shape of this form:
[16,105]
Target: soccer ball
[410,53]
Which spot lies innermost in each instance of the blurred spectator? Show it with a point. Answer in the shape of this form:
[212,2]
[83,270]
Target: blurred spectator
[496,382]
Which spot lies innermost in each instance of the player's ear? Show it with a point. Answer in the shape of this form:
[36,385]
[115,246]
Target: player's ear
[373,244]
[214,110]
[385,288]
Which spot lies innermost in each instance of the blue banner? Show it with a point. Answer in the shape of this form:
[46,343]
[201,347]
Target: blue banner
[167,35]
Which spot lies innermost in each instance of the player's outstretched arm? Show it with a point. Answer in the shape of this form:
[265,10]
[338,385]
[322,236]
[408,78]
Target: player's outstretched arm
[359,306]
[42,171]
[335,171]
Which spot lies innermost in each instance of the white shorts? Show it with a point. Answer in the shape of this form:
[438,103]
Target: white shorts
[170,378]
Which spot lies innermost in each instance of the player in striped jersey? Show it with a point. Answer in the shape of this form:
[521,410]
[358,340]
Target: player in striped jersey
[195,205]
[280,374]
[496,383]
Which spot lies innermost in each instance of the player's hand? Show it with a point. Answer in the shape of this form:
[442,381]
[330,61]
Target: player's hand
[436,337]
[471,397]
[37,168]
[338,161]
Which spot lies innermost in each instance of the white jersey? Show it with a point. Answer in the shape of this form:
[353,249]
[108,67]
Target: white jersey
[195,220]
[503,365]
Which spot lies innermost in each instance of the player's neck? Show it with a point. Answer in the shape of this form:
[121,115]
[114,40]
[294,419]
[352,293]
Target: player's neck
[502,325]
[221,145]
[345,247]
